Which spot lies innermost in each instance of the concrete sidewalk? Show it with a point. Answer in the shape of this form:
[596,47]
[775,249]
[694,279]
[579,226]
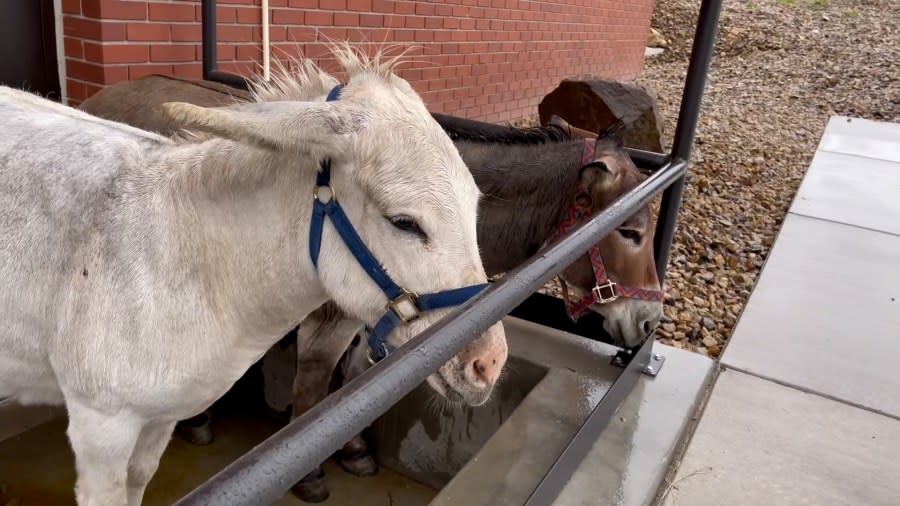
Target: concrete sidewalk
[806,409]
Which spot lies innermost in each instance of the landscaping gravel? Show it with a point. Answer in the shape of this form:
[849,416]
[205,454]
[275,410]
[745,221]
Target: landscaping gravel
[781,69]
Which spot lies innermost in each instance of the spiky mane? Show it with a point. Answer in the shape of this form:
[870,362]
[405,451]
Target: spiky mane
[302,80]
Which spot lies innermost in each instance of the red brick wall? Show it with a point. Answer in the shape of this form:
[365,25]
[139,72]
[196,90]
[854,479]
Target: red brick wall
[487,59]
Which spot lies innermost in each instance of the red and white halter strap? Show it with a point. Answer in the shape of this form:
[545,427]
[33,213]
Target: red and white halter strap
[605,290]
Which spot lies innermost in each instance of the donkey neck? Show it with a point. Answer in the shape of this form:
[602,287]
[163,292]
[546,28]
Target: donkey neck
[238,224]
[526,189]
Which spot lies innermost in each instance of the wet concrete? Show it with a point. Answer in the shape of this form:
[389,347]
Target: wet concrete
[430,441]
[627,463]
[512,463]
[625,466]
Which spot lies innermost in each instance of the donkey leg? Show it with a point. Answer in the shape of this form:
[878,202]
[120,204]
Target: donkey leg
[102,444]
[145,458]
[310,386]
[356,459]
[196,429]
[321,340]
[355,456]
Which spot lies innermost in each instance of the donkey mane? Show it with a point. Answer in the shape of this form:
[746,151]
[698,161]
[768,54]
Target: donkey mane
[302,80]
[489,133]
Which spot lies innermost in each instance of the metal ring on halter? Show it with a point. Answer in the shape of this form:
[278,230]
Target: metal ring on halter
[382,348]
[333,197]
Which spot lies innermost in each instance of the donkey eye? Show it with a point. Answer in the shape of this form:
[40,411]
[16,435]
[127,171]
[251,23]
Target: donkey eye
[631,235]
[407,224]
[597,165]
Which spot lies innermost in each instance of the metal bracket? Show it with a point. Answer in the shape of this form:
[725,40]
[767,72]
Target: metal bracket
[656,363]
[623,357]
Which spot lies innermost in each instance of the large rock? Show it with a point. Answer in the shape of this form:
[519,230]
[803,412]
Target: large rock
[594,105]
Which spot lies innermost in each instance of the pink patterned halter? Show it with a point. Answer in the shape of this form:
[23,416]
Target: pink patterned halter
[605,290]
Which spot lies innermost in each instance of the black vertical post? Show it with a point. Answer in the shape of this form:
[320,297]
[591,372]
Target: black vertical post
[701,55]
[208,26]
[210,62]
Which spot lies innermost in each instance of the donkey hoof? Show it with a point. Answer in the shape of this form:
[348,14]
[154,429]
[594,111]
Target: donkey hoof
[312,488]
[361,465]
[196,430]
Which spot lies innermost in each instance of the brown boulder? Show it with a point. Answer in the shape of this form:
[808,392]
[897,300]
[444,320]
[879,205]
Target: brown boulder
[596,104]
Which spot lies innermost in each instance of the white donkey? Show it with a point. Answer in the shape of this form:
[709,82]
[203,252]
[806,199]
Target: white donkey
[143,276]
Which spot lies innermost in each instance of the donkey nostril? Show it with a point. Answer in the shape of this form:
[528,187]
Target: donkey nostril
[647,326]
[480,368]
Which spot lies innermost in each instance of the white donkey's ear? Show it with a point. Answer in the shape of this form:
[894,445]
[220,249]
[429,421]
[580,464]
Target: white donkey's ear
[279,125]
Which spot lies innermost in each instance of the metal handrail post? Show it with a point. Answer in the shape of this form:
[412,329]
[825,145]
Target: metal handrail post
[685,129]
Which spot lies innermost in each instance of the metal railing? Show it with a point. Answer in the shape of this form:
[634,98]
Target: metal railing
[266,472]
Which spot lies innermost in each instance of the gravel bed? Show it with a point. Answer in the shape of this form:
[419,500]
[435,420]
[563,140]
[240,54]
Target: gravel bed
[782,68]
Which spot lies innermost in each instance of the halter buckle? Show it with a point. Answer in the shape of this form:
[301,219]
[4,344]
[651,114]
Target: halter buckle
[411,299]
[610,288]
[332,198]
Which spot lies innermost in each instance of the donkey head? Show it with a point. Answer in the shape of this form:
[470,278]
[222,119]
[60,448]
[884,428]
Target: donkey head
[627,253]
[400,182]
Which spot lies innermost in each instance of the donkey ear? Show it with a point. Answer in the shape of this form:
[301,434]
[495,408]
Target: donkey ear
[614,134]
[573,131]
[597,176]
[277,125]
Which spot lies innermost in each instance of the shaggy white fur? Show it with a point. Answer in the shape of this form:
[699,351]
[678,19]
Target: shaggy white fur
[144,276]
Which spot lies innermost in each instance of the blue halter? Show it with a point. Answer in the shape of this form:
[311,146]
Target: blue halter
[404,306]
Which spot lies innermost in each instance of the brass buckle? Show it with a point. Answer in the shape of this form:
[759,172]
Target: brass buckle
[333,196]
[598,292]
[409,297]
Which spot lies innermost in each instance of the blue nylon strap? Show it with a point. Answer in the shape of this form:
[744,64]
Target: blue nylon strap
[449,298]
[318,217]
[378,337]
[323,178]
[362,254]
[335,93]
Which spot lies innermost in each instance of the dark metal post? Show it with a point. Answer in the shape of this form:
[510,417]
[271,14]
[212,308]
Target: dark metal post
[210,61]
[208,27]
[688,115]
